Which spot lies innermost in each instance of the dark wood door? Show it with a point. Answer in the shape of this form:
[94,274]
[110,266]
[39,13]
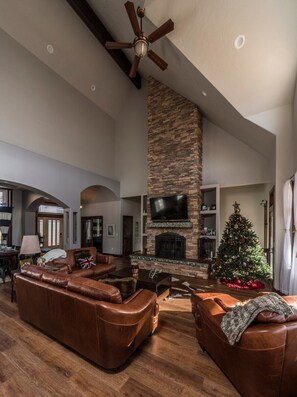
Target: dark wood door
[127,235]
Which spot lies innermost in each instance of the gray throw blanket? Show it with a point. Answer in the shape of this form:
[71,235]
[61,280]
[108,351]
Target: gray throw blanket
[235,322]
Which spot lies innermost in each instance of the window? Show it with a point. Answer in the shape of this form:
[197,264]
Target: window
[6,197]
[51,209]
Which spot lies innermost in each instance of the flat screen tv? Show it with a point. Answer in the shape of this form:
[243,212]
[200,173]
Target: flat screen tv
[170,208]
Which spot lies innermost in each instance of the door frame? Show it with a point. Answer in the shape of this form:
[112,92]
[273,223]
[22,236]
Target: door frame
[131,221]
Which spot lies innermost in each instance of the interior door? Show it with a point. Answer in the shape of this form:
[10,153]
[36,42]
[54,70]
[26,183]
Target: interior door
[50,231]
[127,235]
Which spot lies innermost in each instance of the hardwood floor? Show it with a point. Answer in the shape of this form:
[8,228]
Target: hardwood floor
[170,363]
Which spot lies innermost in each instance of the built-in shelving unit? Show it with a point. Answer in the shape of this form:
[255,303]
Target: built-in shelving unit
[209,233]
[143,223]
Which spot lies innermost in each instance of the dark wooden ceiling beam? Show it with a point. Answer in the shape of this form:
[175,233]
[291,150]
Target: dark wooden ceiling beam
[88,16]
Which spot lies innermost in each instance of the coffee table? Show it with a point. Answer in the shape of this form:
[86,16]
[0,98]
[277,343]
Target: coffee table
[160,283]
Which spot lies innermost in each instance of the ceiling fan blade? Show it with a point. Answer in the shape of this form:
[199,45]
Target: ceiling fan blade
[158,61]
[133,17]
[115,45]
[134,66]
[161,31]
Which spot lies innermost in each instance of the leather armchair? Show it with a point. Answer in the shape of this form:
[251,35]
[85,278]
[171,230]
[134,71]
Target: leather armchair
[263,362]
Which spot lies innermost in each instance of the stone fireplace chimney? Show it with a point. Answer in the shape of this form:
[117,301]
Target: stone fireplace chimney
[174,161]
[174,168]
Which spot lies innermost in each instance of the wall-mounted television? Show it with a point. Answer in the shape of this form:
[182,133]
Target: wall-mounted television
[169,208]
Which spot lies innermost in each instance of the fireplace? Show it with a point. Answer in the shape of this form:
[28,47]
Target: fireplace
[170,246]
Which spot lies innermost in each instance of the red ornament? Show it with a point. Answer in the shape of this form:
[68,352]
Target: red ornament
[242,241]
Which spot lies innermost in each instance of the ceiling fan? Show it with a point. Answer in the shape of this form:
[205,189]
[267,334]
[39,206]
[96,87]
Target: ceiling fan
[142,41]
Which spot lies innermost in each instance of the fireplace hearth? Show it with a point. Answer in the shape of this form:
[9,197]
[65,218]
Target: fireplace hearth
[170,246]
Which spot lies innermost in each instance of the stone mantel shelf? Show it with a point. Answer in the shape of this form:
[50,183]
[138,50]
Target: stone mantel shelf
[168,225]
[198,263]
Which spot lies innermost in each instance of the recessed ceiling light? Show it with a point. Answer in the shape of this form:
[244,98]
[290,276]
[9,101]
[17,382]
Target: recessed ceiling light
[93,87]
[50,49]
[204,93]
[239,41]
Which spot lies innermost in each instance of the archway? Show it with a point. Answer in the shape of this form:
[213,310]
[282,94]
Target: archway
[100,214]
[25,201]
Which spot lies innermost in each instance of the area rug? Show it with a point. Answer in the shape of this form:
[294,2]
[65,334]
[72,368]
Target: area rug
[248,285]
[181,289]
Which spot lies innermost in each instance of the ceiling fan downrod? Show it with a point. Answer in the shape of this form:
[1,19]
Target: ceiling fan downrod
[141,42]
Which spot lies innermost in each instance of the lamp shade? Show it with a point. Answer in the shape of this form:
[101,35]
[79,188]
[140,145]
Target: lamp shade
[30,245]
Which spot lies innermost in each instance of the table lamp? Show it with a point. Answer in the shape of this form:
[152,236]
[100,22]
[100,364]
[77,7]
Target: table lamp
[30,246]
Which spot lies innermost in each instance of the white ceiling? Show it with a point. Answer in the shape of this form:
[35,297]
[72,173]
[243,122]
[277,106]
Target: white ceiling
[258,77]
[200,54]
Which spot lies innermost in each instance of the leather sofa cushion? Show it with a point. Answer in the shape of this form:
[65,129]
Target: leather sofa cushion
[40,273]
[55,279]
[94,289]
[271,317]
[84,272]
[127,285]
[32,271]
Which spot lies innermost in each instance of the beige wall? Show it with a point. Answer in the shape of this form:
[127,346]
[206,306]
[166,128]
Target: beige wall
[230,162]
[110,211]
[280,122]
[40,112]
[131,144]
[249,198]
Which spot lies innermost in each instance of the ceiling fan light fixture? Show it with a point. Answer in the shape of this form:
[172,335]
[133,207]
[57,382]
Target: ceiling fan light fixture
[141,47]
[141,41]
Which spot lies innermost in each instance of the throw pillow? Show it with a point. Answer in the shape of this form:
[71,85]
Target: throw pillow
[127,285]
[87,263]
[27,261]
[81,254]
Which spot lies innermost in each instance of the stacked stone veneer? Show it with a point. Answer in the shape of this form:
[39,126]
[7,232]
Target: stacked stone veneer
[174,158]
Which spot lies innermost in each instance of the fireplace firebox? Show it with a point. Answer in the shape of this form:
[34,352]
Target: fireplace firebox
[170,246]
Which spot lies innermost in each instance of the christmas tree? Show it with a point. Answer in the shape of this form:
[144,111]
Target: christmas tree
[240,255]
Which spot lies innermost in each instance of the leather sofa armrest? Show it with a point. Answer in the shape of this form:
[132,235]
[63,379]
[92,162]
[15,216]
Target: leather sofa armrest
[133,296]
[130,312]
[108,259]
[123,327]
[63,265]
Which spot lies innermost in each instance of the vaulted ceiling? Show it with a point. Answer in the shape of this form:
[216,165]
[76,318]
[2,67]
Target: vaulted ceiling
[200,53]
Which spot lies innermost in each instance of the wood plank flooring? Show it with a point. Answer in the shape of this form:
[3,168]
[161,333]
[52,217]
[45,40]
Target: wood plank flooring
[170,363]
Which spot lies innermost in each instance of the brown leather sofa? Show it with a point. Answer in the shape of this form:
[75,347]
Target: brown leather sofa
[104,263]
[86,315]
[264,362]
